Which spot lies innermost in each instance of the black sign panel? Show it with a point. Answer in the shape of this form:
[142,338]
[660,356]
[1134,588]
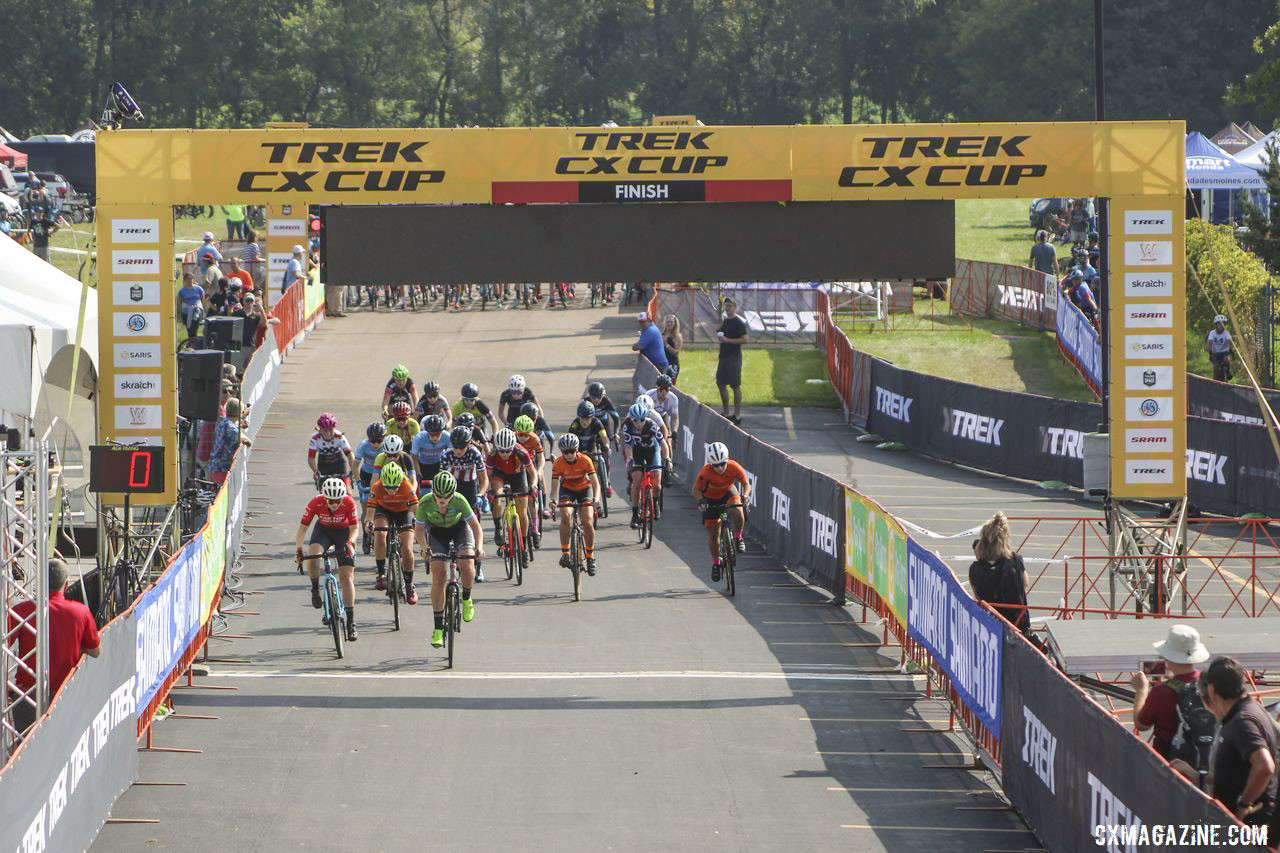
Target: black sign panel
[126,470]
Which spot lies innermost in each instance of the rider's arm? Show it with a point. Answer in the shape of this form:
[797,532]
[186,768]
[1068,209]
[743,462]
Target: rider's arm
[595,487]
[477,532]
[297,539]
[555,487]
[351,460]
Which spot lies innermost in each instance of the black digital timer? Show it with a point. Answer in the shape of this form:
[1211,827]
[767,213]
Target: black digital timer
[129,470]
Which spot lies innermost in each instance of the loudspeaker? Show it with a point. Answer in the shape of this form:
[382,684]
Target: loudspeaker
[224,333]
[199,384]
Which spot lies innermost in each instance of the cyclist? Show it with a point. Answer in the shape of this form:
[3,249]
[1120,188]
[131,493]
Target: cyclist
[429,447]
[466,463]
[573,475]
[527,438]
[540,426]
[1220,349]
[367,452]
[393,451]
[717,487]
[402,422]
[399,387]
[665,402]
[478,438]
[604,407]
[509,465]
[642,410]
[593,438]
[445,518]
[644,439]
[337,523]
[432,403]
[329,453]
[389,506]
[472,404]
[510,402]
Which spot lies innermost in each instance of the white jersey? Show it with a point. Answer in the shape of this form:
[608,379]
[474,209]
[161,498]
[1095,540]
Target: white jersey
[669,409]
[1219,342]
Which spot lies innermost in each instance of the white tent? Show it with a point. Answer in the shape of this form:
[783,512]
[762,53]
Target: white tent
[39,320]
[1256,154]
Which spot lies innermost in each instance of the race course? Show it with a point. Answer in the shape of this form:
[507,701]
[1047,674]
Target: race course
[655,714]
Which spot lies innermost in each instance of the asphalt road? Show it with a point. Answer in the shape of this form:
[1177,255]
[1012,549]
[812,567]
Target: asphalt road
[655,714]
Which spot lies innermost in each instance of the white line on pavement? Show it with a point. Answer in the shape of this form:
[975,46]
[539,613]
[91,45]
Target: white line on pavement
[567,676]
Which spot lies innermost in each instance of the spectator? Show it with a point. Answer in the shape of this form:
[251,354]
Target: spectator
[190,304]
[252,251]
[1077,222]
[1093,249]
[235,221]
[1219,340]
[242,275]
[234,296]
[650,343]
[72,632]
[1244,760]
[226,440]
[1077,290]
[1043,256]
[732,334]
[256,320]
[208,257]
[998,576]
[672,342]
[219,299]
[295,269]
[1174,707]
[42,225]
[205,429]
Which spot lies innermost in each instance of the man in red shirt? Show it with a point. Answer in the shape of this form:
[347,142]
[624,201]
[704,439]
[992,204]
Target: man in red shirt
[1156,706]
[72,632]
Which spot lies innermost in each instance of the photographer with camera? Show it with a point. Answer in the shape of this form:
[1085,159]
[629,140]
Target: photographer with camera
[1173,705]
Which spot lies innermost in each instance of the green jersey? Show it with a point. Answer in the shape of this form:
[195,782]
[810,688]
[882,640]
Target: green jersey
[457,511]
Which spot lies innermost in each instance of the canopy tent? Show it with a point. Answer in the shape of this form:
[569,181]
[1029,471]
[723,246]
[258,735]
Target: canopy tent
[39,321]
[1253,130]
[1214,178]
[1233,138]
[1255,156]
[12,158]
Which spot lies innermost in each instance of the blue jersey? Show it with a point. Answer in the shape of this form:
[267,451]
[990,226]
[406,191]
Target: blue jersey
[366,453]
[430,452]
[641,435]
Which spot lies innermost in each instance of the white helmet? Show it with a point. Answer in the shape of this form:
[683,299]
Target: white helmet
[393,444]
[334,489]
[516,383]
[505,440]
[717,453]
[644,402]
[1221,318]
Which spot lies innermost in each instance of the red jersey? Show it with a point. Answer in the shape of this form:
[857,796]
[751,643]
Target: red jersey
[344,516]
[71,631]
[513,464]
[530,442]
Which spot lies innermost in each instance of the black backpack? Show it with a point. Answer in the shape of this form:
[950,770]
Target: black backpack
[1197,727]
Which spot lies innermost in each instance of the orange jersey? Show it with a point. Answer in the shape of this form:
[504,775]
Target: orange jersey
[530,442]
[395,500]
[716,484]
[576,475]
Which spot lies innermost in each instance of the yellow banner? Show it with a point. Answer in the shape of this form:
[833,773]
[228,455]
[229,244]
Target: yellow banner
[137,326]
[1148,329]
[214,542]
[470,165]
[875,551]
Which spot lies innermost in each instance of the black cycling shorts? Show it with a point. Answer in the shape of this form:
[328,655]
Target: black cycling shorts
[517,481]
[429,470]
[366,479]
[468,490]
[644,459]
[335,536]
[392,518]
[716,505]
[440,538]
[575,496]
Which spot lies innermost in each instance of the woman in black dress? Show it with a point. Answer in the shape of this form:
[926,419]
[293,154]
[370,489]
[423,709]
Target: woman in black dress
[998,576]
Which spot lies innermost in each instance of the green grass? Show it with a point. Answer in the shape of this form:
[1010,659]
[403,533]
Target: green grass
[770,377]
[991,353]
[994,230]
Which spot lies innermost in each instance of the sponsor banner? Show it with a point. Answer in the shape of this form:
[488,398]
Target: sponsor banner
[278,261]
[1072,770]
[1148,222]
[1148,253]
[214,544]
[287,228]
[1143,409]
[260,381]
[236,488]
[1148,315]
[1148,347]
[1004,291]
[875,551]
[136,324]
[169,618]
[140,385]
[143,231]
[58,791]
[1149,472]
[1154,378]
[1079,343]
[1148,285]
[773,314]
[138,416]
[129,293]
[135,262]
[1231,469]
[1139,441]
[962,636]
[1226,402]
[136,355]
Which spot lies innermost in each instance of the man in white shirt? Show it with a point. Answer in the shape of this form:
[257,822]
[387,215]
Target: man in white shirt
[295,268]
[1220,349]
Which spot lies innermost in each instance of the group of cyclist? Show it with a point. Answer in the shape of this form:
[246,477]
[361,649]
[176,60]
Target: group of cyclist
[439,464]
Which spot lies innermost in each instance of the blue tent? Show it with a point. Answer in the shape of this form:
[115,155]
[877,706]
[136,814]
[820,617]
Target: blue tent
[1216,178]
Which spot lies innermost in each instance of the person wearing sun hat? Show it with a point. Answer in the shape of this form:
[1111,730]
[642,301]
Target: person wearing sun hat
[1156,706]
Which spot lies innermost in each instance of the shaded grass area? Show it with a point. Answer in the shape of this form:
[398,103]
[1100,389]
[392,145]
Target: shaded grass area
[995,230]
[770,377]
[991,353]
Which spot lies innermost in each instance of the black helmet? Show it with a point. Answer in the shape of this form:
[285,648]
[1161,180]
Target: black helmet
[1093,235]
[586,410]
[465,419]
[595,390]
[663,381]
[470,391]
[376,430]
[431,389]
[433,423]
[529,409]
[460,436]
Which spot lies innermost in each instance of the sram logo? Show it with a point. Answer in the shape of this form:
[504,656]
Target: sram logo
[894,405]
[974,427]
[1020,297]
[1206,467]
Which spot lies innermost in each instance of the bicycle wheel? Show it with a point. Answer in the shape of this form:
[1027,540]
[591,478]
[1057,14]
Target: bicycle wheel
[604,484]
[395,584]
[331,607]
[728,556]
[576,557]
[451,603]
[510,560]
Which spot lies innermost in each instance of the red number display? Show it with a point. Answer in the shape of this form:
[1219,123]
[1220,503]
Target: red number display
[140,469]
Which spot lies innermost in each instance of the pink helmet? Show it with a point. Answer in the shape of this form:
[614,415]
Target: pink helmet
[326,421]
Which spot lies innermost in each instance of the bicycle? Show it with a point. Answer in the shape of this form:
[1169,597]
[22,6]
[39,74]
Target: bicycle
[514,552]
[728,550]
[335,612]
[395,569]
[649,503]
[602,471]
[577,549]
[452,605]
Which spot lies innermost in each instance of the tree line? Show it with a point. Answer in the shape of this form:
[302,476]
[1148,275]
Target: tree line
[441,63]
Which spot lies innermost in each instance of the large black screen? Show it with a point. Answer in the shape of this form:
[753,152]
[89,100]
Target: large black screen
[687,241]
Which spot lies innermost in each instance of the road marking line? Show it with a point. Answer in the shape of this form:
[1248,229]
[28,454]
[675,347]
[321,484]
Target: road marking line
[952,754]
[878,826]
[790,422]
[866,720]
[916,790]
[566,676]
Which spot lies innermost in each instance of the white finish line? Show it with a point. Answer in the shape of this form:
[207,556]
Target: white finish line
[574,676]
